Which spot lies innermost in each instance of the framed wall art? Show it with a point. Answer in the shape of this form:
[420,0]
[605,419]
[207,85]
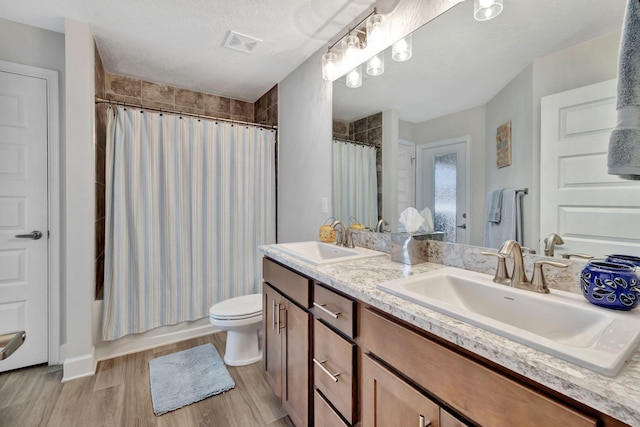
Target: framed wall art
[503,145]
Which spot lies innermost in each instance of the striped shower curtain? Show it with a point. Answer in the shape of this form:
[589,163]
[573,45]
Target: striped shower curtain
[355,184]
[188,203]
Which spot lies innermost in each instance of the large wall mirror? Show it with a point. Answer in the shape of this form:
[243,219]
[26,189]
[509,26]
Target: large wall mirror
[464,80]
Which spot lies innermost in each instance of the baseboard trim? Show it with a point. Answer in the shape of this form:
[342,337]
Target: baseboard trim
[79,367]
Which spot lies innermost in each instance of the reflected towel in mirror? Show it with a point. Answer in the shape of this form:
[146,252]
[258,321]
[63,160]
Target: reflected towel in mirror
[624,145]
[510,226]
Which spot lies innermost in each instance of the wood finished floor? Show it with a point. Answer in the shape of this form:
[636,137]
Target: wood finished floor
[119,395]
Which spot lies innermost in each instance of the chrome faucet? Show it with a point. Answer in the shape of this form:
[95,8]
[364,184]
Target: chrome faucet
[518,275]
[345,239]
[551,242]
[381,225]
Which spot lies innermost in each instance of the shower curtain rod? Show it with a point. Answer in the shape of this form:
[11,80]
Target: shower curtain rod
[164,110]
[351,141]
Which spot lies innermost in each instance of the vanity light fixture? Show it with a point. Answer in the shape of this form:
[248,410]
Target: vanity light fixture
[402,49]
[375,64]
[354,77]
[483,10]
[355,39]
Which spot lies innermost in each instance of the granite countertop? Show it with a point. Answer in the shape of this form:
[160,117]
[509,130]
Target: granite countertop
[618,397]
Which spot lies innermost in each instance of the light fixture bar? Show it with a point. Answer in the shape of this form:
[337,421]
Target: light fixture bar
[355,28]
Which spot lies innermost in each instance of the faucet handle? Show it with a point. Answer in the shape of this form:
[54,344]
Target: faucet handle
[577,255]
[502,275]
[531,251]
[538,281]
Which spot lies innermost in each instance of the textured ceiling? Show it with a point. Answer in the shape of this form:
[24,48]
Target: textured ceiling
[459,63]
[180,42]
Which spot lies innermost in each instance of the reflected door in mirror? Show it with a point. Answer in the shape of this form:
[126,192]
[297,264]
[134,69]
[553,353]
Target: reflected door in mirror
[441,181]
[594,213]
[406,175]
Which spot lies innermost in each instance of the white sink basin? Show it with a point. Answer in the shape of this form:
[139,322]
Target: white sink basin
[562,324]
[318,253]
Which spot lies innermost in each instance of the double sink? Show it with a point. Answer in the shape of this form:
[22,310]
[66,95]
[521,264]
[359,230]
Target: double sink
[562,324]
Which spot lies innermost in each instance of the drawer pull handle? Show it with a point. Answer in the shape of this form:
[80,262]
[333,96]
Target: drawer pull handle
[422,421]
[274,315]
[320,364]
[329,312]
[277,314]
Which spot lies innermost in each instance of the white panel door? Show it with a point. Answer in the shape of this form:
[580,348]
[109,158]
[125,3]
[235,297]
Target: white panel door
[406,177]
[595,213]
[23,209]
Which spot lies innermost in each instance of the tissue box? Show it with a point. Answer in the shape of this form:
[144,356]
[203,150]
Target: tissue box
[409,248]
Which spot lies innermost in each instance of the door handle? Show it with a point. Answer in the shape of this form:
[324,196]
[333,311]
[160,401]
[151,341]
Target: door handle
[35,235]
[463,226]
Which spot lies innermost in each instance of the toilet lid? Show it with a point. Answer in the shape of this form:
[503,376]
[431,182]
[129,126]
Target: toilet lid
[238,307]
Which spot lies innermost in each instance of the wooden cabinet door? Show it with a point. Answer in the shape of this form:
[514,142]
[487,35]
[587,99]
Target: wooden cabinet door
[323,414]
[295,399]
[272,346]
[387,401]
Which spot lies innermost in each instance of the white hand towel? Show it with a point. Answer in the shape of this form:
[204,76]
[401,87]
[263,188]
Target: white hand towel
[624,146]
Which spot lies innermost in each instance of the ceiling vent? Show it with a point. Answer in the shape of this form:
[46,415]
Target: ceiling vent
[241,42]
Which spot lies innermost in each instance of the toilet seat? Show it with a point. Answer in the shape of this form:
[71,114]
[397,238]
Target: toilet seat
[238,308]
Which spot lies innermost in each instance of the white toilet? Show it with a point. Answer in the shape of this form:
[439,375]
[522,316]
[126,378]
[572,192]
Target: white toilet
[241,317]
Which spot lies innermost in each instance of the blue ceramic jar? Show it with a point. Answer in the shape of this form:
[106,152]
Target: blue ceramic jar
[610,285]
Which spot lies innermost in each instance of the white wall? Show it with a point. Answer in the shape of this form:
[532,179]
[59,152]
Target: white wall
[473,123]
[80,199]
[304,151]
[514,103]
[44,49]
[390,136]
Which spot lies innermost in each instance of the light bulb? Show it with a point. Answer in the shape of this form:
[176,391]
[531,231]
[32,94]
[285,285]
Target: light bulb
[354,77]
[350,45]
[374,28]
[401,50]
[375,65]
[483,10]
[329,67]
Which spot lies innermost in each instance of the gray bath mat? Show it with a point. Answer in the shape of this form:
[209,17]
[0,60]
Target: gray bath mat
[186,377]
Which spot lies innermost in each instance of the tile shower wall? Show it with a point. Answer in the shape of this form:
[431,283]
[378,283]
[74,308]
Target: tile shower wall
[369,131]
[136,91]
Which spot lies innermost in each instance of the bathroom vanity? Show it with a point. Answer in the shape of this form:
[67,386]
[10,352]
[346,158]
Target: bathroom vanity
[338,351]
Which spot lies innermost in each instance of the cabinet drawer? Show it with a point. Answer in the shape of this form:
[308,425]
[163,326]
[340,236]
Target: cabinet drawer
[475,391]
[293,285]
[323,414]
[387,401]
[333,369]
[334,309]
